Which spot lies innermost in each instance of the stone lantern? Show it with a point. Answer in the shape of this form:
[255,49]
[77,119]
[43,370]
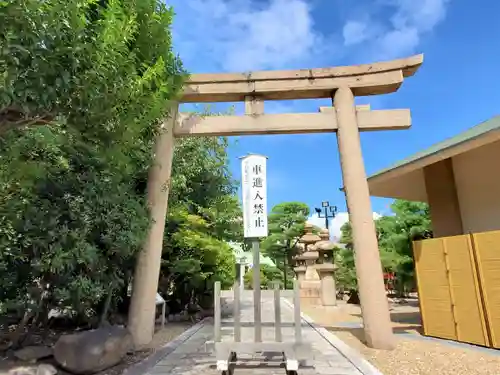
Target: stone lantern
[300,265]
[308,240]
[325,247]
[326,269]
[306,273]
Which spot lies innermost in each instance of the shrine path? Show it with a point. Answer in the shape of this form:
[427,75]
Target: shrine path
[187,354]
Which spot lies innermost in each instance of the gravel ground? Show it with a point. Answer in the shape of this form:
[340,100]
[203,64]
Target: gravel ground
[412,356]
[160,338]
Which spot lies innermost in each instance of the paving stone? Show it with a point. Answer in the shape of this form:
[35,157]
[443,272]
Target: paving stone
[160,370]
[336,371]
[191,357]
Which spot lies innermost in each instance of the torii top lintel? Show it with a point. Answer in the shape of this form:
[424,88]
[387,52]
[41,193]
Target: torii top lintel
[367,79]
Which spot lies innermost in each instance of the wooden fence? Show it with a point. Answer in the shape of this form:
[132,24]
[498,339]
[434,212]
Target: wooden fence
[459,287]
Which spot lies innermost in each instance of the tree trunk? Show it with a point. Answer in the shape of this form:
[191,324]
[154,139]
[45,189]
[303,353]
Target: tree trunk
[285,271]
[400,287]
[107,303]
[18,335]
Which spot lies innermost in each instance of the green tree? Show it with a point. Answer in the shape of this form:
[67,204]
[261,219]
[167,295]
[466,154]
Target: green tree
[193,259]
[410,221]
[268,275]
[104,67]
[346,272]
[83,85]
[286,225]
[203,216]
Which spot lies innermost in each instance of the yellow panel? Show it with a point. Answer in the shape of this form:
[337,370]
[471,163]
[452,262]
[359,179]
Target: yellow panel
[468,310]
[487,250]
[433,289]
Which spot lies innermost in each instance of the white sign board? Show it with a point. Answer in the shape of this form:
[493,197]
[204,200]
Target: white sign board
[254,190]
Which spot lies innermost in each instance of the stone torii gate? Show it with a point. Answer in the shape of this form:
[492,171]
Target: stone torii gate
[341,84]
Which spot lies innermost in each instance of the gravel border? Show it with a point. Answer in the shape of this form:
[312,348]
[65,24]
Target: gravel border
[451,343]
[416,336]
[149,362]
[363,365]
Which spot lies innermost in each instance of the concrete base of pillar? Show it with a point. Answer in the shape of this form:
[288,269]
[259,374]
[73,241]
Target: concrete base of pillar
[328,288]
[301,273]
[310,292]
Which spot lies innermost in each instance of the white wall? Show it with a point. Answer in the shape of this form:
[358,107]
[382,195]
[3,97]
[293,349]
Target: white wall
[477,178]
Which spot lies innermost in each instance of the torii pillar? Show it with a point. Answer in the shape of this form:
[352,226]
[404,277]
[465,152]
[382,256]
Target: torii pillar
[142,309]
[373,299]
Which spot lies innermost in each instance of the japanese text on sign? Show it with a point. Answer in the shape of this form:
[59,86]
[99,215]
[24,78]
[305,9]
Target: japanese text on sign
[253,168]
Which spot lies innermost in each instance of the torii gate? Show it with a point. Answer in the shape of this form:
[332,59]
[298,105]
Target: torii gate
[341,84]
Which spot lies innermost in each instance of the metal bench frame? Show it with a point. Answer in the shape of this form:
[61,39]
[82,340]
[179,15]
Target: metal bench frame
[227,352]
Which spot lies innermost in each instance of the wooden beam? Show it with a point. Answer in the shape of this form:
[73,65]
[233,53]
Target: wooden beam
[408,66]
[360,107]
[289,89]
[254,105]
[289,123]
[367,79]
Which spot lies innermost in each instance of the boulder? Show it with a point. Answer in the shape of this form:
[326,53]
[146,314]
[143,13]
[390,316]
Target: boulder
[92,351]
[33,353]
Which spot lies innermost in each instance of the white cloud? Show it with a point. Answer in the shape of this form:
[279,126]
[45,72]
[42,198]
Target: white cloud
[423,15]
[242,35]
[336,223]
[355,32]
[399,31]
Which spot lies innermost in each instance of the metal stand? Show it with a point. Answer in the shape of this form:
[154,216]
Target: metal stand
[227,352]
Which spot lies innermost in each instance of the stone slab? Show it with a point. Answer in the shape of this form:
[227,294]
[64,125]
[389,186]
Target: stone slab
[328,354]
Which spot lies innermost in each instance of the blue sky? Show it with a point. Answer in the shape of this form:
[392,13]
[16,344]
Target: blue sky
[456,88]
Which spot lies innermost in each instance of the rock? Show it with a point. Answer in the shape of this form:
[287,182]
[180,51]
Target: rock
[6,345]
[92,351]
[33,353]
[44,369]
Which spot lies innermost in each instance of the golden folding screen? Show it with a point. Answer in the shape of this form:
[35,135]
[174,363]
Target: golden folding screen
[459,287]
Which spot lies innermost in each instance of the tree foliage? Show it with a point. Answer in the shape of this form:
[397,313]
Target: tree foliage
[268,275]
[202,218]
[410,221]
[286,225]
[103,66]
[83,86]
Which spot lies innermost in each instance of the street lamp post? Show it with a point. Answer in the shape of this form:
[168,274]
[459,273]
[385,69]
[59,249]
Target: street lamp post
[329,212]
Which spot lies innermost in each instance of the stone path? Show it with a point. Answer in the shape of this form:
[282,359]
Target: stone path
[190,356]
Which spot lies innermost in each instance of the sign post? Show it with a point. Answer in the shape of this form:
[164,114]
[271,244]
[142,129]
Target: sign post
[254,168]
[254,194]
